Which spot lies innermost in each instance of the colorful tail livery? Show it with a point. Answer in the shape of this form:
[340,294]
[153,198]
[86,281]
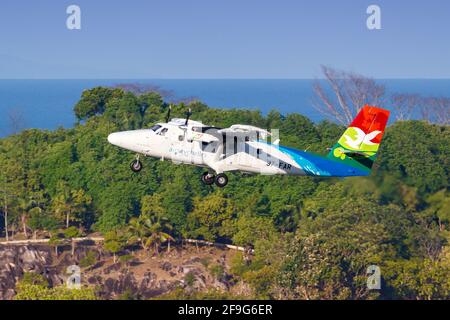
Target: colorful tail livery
[354,153]
[359,144]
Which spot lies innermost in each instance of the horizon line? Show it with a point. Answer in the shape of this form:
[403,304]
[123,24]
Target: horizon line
[137,79]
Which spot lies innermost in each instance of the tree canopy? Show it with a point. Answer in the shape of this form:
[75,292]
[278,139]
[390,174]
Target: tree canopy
[313,238]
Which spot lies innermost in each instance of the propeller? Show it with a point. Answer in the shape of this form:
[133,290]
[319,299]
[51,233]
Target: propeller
[168,113]
[188,114]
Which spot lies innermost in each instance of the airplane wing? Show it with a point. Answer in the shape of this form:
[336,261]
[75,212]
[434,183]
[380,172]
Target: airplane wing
[252,132]
[210,134]
[203,137]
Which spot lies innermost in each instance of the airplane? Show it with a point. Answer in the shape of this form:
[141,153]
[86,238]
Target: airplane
[247,148]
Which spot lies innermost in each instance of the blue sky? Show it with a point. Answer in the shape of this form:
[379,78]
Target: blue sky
[223,39]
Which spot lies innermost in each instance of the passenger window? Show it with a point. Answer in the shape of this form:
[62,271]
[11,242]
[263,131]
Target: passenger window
[209,146]
[163,132]
[258,153]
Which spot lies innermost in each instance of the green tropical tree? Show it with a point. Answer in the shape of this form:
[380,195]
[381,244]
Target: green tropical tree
[150,230]
[70,206]
[115,241]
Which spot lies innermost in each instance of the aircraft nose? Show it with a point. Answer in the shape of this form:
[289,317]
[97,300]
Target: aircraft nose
[114,138]
[130,140]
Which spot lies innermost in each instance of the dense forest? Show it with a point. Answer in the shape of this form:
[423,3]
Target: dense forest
[313,238]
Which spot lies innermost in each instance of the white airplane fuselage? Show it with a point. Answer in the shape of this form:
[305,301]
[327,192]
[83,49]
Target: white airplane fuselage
[244,148]
[182,146]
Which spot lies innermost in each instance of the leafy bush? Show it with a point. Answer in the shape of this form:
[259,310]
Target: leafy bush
[189,279]
[217,271]
[89,260]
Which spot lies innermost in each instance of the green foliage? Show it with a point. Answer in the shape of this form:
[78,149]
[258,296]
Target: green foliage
[95,101]
[72,232]
[189,279]
[211,217]
[149,230]
[205,261]
[417,153]
[126,258]
[36,292]
[217,271]
[251,229]
[238,265]
[212,294]
[176,199]
[34,286]
[261,280]
[127,295]
[115,242]
[420,279]
[39,220]
[89,260]
[57,239]
[116,207]
[317,268]
[439,206]
[32,278]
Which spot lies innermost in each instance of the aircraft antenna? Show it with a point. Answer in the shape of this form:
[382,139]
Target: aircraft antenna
[168,113]
[188,114]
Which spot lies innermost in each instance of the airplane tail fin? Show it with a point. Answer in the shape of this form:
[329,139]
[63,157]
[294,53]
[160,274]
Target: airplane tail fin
[359,144]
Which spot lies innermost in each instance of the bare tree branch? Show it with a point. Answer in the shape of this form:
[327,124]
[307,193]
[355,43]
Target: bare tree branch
[346,95]
[140,88]
[404,105]
[436,110]
[16,120]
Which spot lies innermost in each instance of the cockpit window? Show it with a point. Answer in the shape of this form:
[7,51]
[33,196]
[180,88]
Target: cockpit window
[155,127]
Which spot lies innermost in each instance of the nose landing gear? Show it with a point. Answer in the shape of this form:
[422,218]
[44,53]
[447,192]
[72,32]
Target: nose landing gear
[136,165]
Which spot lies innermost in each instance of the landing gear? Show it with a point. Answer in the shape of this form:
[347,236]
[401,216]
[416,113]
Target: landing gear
[136,165]
[221,180]
[208,178]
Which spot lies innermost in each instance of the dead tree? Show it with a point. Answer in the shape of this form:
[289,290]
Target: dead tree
[16,120]
[342,94]
[141,88]
[405,104]
[440,110]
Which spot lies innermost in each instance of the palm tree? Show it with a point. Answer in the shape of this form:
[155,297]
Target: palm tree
[159,228]
[63,208]
[138,231]
[149,230]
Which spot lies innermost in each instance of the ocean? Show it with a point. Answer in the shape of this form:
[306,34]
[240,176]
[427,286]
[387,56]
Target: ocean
[48,104]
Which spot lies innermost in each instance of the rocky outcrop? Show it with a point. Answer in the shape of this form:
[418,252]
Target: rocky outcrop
[139,279]
[14,261]
[149,286]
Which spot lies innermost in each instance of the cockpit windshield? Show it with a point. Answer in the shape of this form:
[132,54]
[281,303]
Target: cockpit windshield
[155,127]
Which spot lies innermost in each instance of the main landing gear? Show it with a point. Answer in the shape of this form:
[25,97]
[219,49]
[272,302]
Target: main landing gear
[136,165]
[221,180]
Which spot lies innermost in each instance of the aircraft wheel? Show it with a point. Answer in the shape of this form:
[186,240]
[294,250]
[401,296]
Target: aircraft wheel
[136,165]
[207,178]
[221,180]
